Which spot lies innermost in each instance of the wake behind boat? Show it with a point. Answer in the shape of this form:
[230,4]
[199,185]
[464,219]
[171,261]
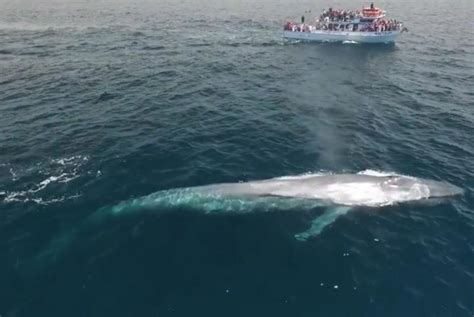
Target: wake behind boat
[368,25]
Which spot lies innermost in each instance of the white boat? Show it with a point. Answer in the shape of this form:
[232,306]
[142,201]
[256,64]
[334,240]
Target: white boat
[366,26]
[348,37]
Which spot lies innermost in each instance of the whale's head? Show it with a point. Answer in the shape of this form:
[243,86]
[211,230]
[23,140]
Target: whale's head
[413,188]
[442,189]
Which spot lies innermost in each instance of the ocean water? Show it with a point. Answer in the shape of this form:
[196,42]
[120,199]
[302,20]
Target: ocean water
[106,101]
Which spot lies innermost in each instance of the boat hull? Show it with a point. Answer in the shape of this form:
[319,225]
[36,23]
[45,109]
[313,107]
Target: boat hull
[336,36]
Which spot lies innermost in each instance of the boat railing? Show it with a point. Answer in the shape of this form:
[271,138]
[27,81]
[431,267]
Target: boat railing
[386,26]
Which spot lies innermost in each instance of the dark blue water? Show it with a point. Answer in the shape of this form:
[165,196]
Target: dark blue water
[106,101]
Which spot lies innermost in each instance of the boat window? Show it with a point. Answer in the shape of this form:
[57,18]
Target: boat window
[355,27]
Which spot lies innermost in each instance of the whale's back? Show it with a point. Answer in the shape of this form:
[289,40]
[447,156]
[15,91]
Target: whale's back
[343,189]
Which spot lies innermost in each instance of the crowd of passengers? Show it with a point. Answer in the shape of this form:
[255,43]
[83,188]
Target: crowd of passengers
[380,25]
[339,15]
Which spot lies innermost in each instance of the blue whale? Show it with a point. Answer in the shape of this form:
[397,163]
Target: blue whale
[338,192]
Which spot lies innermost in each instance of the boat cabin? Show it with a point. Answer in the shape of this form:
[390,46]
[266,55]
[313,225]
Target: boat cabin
[343,26]
[372,12]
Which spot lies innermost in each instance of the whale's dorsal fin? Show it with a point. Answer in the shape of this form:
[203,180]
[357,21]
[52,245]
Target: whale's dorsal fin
[321,222]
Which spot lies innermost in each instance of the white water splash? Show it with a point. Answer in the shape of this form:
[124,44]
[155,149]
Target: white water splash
[54,171]
[378,173]
[75,160]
